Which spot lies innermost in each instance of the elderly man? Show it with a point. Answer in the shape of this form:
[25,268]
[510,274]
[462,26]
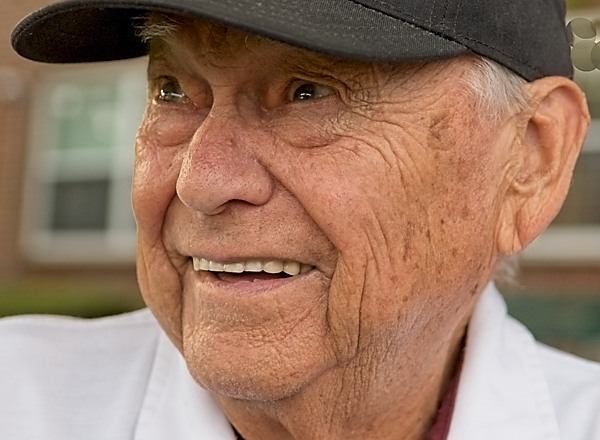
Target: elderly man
[323,191]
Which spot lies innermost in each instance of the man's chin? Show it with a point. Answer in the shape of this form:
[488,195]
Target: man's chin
[253,384]
[239,369]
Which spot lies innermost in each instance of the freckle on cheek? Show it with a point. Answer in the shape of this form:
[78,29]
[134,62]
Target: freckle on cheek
[465,212]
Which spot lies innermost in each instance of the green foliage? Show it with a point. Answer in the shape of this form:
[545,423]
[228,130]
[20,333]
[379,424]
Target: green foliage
[579,4]
[71,299]
[570,322]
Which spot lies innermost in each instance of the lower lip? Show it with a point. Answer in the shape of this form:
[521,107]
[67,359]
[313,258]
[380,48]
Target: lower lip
[246,277]
[248,284]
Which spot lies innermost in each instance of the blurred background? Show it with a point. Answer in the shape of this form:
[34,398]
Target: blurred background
[67,236]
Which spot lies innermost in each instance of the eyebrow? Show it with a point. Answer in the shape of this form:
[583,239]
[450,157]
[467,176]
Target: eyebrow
[161,27]
[163,42]
[153,26]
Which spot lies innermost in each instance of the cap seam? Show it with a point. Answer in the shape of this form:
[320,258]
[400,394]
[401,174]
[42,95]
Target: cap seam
[458,8]
[445,12]
[533,68]
[430,19]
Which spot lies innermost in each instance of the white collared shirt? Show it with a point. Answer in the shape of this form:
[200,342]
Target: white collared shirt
[513,388]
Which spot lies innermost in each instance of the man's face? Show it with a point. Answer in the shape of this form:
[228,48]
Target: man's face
[375,186]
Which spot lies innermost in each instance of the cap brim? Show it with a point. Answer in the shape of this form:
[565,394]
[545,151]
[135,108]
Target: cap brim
[101,30]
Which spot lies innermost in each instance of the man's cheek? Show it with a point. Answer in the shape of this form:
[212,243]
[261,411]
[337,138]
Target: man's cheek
[154,188]
[160,282]
[169,129]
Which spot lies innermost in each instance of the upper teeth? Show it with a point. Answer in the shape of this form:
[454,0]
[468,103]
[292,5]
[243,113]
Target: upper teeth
[269,266]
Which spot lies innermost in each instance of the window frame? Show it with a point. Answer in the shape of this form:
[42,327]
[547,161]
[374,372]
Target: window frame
[116,244]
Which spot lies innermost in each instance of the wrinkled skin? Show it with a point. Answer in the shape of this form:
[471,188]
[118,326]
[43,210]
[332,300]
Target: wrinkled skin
[384,179]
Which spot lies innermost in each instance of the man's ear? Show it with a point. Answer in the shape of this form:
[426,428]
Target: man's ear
[548,140]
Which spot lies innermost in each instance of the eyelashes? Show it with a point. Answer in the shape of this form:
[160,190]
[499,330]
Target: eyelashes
[304,91]
[169,90]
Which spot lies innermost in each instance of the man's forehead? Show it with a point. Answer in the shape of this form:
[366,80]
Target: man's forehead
[181,38]
[169,33]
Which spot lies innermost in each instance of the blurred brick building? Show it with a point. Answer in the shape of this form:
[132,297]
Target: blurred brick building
[66,146]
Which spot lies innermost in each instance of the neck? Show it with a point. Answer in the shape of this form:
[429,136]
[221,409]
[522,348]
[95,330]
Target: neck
[368,398]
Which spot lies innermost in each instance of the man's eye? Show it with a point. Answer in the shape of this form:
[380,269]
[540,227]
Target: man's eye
[170,91]
[305,91]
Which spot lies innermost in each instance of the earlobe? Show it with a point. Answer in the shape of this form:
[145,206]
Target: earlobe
[550,134]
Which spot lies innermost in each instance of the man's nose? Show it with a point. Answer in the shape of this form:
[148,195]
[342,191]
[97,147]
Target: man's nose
[219,167]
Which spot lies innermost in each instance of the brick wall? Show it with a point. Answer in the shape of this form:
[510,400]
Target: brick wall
[16,77]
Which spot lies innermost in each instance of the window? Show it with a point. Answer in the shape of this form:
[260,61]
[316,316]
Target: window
[574,236]
[77,206]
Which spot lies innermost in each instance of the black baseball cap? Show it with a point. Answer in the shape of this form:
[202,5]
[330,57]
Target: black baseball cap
[526,36]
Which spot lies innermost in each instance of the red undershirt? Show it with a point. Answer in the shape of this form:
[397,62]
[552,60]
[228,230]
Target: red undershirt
[439,430]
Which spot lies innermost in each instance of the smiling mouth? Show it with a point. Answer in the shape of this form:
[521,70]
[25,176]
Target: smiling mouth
[253,270]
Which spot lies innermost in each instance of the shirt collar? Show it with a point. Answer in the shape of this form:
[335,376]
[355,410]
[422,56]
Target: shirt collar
[502,391]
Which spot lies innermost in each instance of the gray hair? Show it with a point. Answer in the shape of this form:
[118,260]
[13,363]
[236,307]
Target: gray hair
[499,92]
[156,26]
